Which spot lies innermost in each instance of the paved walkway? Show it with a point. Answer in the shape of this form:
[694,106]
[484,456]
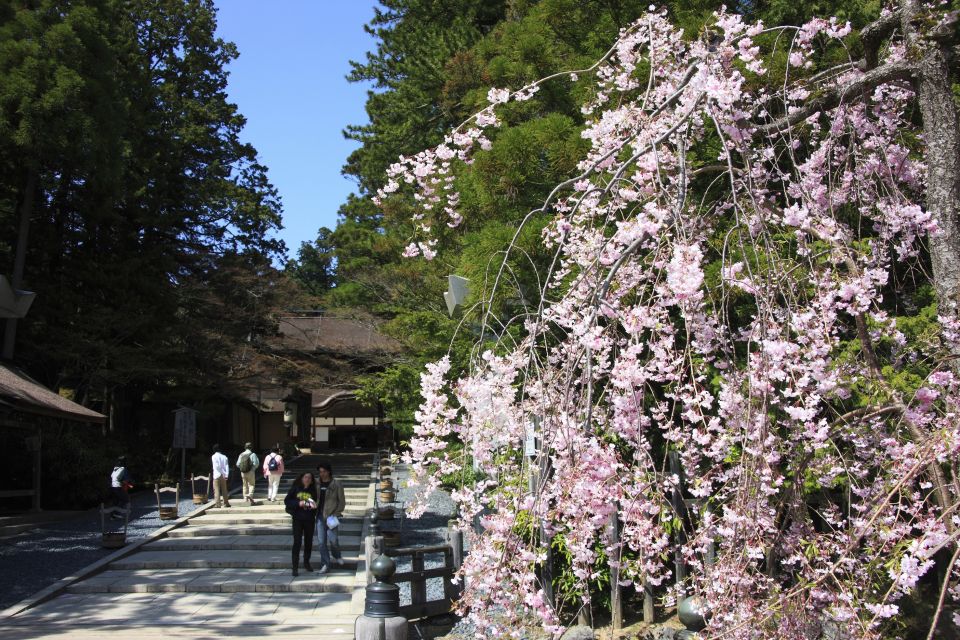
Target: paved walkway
[221,573]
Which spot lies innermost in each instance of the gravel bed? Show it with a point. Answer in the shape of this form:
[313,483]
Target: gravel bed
[428,529]
[35,559]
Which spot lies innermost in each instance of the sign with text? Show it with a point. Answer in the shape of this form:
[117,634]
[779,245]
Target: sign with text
[185,429]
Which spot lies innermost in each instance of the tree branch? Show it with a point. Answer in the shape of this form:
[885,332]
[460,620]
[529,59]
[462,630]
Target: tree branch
[874,33]
[831,98]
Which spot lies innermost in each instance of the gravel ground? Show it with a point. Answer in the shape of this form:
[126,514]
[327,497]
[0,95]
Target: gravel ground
[429,529]
[36,559]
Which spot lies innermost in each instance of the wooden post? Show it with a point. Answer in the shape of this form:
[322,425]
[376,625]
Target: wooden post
[373,547]
[37,471]
[616,601]
[449,591]
[418,584]
[456,546]
[649,613]
[676,500]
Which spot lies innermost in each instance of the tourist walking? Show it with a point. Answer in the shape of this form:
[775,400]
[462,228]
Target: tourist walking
[120,484]
[272,471]
[247,463]
[301,503]
[331,503]
[221,472]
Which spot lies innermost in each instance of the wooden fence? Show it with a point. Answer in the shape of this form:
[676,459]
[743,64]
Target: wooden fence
[417,576]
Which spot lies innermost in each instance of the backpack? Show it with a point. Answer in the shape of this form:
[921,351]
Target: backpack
[245,463]
[272,464]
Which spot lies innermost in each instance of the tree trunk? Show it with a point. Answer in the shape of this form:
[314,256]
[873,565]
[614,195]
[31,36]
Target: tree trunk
[20,259]
[942,138]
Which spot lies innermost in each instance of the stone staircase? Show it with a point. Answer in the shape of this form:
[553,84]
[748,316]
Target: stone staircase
[227,570]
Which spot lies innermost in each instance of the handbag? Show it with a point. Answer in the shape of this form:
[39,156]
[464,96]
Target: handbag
[333,522]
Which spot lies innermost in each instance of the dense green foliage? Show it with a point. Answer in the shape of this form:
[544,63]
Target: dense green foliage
[149,217]
[149,244]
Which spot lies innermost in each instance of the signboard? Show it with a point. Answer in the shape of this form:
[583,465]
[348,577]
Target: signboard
[530,439]
[185,429]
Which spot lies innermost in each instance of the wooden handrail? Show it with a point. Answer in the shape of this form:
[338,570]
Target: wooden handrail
[418,575]
[407,551]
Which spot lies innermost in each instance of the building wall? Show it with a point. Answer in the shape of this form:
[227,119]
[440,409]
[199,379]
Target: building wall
[244,421]
[272,430]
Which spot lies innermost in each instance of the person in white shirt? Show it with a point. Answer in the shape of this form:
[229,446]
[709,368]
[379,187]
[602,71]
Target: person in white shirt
[247,463]
[272,471]
[221,471]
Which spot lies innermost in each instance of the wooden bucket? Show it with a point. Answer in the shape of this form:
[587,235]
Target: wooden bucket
[199,498]
[391,539]
[388,495]
[385,513]
[386,484]
[386,471]
[168,513]
[114,540]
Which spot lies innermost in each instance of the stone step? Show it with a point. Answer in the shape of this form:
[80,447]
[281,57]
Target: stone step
[360,488]
[260,499]
[229,580]
[218,559]
[262,504]
[218,543]
[222,515]
[178,615]
[346,541]
[268,510]
[279,518]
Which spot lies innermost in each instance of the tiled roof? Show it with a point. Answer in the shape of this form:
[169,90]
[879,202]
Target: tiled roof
[29,396]
[323,398]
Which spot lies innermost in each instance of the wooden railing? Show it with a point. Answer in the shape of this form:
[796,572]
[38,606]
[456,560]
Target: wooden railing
[418,574]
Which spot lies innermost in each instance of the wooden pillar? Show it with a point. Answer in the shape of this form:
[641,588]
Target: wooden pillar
[616,601]
[37,470]
[418,584]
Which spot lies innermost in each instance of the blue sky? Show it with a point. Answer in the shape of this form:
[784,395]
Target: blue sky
[289,83]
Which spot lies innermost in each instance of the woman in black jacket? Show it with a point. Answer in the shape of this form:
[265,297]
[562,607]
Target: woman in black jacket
[301,502]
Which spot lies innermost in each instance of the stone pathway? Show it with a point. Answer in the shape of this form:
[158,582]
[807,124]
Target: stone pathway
[222,573]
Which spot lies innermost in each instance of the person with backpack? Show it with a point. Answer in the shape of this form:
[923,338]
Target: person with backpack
[272,471]
[247,463]
[301,504]
[120,485]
